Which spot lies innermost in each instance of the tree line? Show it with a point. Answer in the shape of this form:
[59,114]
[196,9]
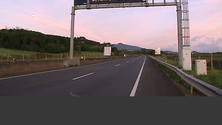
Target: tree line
[22,39]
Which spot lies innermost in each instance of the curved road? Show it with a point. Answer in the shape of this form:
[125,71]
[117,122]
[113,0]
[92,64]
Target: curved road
[128,77]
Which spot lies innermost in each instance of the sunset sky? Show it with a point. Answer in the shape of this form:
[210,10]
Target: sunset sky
[146,27]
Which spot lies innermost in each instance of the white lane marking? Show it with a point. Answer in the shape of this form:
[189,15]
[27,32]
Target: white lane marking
[83,76]
[133,92]
[74,94]
[127,61]
[117,65]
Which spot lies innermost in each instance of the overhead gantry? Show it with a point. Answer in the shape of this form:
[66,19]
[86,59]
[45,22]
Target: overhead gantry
[181,9]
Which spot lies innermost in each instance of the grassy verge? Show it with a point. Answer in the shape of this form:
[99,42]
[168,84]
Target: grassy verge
[88,54]
[8,54]
[93,53]
[9,74]
[14,52]
[174,63]
[213,77]
[206,57]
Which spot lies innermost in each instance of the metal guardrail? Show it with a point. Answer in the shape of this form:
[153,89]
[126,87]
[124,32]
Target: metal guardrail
[202,86]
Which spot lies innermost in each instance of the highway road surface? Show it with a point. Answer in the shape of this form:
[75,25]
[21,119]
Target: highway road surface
[127,77]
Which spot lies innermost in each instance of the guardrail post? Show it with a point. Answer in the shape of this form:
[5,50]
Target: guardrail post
[191,90]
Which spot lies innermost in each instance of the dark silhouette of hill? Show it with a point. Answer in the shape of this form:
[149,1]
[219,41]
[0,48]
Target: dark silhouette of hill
[121,46]
[21,39]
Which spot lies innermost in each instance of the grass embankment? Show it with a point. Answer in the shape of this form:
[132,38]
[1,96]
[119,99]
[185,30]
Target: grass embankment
[14,52]
[213,77]
[174,63]
[92,54]
[8,54]
[206,57]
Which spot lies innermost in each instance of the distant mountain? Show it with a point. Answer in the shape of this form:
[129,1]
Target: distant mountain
[121,46]
[170,52]
[195,52]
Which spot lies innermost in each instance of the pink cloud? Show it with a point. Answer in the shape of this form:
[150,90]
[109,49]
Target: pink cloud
[206,20]
[79,31]
[47,26]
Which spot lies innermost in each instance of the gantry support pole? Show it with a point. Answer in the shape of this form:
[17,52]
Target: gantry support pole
[72,31]
[71,61]
[180,34]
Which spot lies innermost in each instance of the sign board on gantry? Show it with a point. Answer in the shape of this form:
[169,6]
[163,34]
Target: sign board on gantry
[84,2]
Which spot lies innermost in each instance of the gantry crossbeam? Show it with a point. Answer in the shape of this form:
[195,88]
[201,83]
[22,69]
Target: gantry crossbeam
[124,5]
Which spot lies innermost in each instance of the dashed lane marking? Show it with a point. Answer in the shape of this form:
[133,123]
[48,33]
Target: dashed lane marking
[83,76]
[117,65]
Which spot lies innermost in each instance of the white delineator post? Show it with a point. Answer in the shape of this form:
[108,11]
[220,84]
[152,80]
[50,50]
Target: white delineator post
[72,31]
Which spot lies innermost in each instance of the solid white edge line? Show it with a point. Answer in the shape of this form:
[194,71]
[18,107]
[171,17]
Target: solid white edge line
[133,92]
[83,76]
[30,74]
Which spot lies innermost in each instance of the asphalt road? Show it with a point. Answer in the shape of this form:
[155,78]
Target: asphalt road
[128,77]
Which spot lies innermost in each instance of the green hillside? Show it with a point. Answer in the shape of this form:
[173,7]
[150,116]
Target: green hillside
[21,39]
[26,40]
